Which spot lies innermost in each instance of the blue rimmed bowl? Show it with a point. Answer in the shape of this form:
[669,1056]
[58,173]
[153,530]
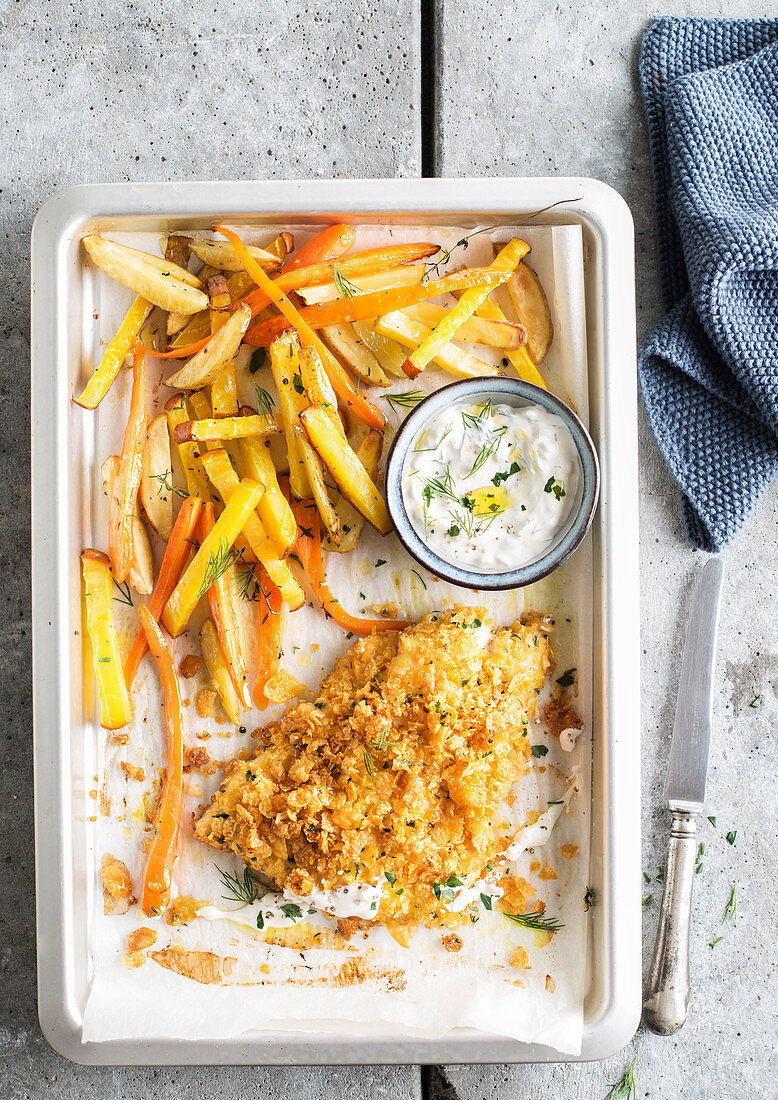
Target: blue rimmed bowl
[509,391]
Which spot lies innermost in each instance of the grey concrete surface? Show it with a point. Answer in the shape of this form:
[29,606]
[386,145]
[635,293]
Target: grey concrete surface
[175,90]
[148,90]
[528,89]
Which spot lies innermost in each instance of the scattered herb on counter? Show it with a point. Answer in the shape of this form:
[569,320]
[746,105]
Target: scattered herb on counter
[408,400]
[345,287]
[732,837]
[712,821]
[539,922]
[730,909]
[698,864]
[567,679]
[647,900]
[539,750]
[756,702]
[625,1088]
[713,943]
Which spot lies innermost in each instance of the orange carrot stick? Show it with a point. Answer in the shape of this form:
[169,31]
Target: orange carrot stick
[272,624]
[362,307]
[309,552]
[332,243]
[124,497]
[341,382]
[176,554]
[224,612]
[176,353]
[155,887]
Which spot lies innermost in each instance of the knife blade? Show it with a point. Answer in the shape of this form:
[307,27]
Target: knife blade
[687,770]
[666,996]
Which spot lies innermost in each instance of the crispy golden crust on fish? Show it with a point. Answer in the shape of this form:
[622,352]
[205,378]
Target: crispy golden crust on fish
[395,772]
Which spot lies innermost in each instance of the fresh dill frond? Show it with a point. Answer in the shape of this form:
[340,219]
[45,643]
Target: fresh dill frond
[486,452]
[369,764]
[248,585]
[408,400]
[125,596]
[164,484]
[217,565]
[265,403]
[473,420]
[424,450]
[624,1089]
[345,287]
[418,574]
[730,909]
[246,890]
[539,922]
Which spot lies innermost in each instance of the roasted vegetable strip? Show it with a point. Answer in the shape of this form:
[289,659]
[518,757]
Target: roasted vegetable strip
[287,374]
[177,553]
[272,624]
[220,471]
[159,281]
[448,328]
[196,481]
[475,330]
[155,887]
[519,357]
[351,521]
[362,307]
[156,485]
[227,427]
[314,468]
[364,409]
[218,353]
[529,301]
[356,263]
[332,243]
[410,275]
[124,497]
[309,553]
[212,558]
[220,254]
[402,328]
[98,605]
[142,565]
[273,509]
[218,670]
[224,601]
[115,354]
[350,475]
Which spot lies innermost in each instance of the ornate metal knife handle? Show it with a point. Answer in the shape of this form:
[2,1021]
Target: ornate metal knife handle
[666,998]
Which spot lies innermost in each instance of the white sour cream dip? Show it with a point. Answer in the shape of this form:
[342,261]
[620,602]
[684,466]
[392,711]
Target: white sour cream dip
[491,487]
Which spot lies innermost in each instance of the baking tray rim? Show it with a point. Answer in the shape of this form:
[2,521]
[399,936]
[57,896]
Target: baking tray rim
[609,237]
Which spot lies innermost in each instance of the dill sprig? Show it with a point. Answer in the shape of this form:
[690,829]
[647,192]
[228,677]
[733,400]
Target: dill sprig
[408,400]
[473,420]
[487,450]
[730,909]
[418,574]
[424,450]
[217,565]
[539,922]
[625,1088]
[246,890]
[248,585]
[265,403]
[369,764]
[164,485]
[345,287]
[126,595]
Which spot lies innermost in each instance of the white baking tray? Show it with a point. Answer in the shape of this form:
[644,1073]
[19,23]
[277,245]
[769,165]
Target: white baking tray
[62,322]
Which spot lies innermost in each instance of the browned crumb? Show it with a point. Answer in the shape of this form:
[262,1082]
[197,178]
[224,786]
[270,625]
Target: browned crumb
[559,714]
[519,959]
[452,942]
[196,758]
[282,687]
[133,959]
[117,885]
[190,666]
[133,772]
[205,702]
[569,850]
[516,892]
[203,735]
[200,966]
[547,872]
[121,738]
[183,909]
[141,938]
[534,865]
[550,984]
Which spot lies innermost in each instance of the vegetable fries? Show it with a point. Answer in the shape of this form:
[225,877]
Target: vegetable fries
[334,320]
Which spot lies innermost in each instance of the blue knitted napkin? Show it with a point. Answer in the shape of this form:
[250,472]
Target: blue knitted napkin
[709,371]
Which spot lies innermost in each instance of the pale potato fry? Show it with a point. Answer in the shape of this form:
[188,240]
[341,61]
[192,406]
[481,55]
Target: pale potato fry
[204,367]
[156,483]
[196,328]
[348,472]
[274,509]
[363,284]
[177,413]
[221,254]
[357,356]
[142,565]
[531,305]
[314,468]
[287,373]
[226,427]
[159,281]
[388,352]
[351,521]
[215,662]
[476,330]
[411,333]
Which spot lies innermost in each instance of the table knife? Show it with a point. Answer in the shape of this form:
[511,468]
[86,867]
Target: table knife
[666,997]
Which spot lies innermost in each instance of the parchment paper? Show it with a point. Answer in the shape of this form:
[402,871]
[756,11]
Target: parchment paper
[371,982]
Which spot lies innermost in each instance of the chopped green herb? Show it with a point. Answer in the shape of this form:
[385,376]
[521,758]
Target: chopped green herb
[408,400]
[258,360]
[453,531]
[104,661]
[567,679]
[625,1088]
[381,561]
[730,909]
[294,912]
[756,701]
[447,891]
[588,899]
[297,382]
[486,901]
[713,943]
[390,878]
[647,900]
[539,750]
[732,837]
[500,477]
[555,487]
